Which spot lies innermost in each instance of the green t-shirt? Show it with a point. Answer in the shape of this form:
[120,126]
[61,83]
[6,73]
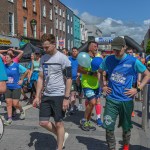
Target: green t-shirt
[88,81]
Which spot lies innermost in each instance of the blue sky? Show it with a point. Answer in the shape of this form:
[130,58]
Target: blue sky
[128,16]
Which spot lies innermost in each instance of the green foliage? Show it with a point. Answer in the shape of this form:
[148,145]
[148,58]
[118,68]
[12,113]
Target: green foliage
[148,47]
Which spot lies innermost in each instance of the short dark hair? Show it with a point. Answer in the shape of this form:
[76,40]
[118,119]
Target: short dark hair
[74,48]
[129,48]
[90,42]
[48,37]
[65,49]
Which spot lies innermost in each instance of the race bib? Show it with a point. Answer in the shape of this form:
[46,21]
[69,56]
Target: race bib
[10,80]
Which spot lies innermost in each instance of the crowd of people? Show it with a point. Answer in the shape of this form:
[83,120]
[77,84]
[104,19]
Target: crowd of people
[56,81]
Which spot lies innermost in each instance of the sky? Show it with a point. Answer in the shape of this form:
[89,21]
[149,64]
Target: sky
[124,17]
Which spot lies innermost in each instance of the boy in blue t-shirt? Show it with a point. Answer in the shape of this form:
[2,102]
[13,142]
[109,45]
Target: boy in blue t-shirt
[121,69]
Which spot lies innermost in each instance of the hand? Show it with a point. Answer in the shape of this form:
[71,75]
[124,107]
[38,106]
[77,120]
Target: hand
[78,81]
[20,82]
[131,92]
[65,104]
[107,90]
[36,102]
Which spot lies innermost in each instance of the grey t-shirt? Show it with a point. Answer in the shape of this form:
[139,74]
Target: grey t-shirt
[52,68]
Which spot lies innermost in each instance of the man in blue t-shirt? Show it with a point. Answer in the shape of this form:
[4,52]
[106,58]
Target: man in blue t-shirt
[3,77]
[121,69]
[74,88]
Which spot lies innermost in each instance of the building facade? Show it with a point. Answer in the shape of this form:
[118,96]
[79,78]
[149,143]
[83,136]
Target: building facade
[59,23]
[8,17]
[82,32]
[69,29]
[47,17]
[28,19]
[76,31]
[92,32]
[146,38]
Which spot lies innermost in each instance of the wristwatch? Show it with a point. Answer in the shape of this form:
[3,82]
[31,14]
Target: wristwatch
[138,89]
[66,97]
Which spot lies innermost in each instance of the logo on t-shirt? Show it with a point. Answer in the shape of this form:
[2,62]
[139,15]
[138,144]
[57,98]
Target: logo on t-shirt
[14,69]
[117,77]
[127,65]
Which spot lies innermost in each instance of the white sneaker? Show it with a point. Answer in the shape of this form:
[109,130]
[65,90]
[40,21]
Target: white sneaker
[65,138]
[22,115]
[80,107]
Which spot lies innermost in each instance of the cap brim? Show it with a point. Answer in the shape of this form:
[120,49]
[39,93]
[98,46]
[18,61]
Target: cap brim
[116,47]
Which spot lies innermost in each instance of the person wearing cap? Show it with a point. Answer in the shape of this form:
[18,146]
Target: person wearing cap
[120,93]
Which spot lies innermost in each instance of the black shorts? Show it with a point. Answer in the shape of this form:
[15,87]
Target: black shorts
[51,106]
[14,94]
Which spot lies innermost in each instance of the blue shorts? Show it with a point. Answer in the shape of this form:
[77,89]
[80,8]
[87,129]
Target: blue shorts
[92,93]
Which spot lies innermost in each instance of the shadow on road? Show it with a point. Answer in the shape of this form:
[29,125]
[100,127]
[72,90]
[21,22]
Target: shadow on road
[42,141]
[75,118]
[91,143]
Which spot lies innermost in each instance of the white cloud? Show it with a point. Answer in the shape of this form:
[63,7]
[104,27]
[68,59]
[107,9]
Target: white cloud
[108,25]
[147,22]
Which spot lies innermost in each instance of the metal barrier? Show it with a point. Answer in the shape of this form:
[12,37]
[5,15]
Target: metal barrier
[145,107]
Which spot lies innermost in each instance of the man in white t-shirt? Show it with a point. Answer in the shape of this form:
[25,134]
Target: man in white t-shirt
[55,100]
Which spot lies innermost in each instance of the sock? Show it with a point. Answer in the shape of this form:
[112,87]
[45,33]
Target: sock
[98,109]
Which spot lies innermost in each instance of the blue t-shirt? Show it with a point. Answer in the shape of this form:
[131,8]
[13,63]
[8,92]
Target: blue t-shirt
[3,75]
[13,72]
[74,65]
[121,75]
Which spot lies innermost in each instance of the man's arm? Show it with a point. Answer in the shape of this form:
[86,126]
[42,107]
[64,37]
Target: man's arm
[39,88]
[2,87]
[20,53]
[39,85]
[146,78]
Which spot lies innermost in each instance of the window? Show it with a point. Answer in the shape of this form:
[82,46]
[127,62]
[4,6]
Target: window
[44,11]
[69,45]
[50,14]
[51,31]
[60,11]
[71,19]
[50,1]
[34,31]
[68,28]
[44,29]
[63,26]
[56,23]
[71,31]
[60,25]
[24,26]
[56,9]
[57,41]
[68,17]
[63,13]
[11,23]
[11,1]
[24,4]
[34,5]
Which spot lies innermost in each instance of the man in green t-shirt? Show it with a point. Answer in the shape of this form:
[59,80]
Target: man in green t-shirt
[91,88]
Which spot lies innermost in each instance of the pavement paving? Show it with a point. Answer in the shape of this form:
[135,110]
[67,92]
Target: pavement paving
[28,135]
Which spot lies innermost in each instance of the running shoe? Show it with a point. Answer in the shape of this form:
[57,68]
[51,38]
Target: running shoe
[85,126]
[91,127]
[22,115]
[8,122]
[65,138]
[99,122]
[125,147]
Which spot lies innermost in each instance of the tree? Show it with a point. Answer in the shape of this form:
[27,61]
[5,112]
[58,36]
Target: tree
[148,47]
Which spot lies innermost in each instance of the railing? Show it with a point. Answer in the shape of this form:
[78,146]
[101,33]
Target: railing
[145,107]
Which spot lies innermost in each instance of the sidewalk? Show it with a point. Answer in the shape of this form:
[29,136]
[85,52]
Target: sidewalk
[28,135]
